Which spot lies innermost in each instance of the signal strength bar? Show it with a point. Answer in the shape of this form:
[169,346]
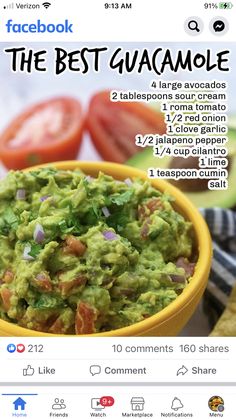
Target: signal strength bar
[9,6]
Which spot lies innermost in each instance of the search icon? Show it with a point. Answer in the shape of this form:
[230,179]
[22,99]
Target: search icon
[193,25]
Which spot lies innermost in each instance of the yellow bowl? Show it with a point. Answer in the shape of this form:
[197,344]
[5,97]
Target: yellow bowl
[171,320]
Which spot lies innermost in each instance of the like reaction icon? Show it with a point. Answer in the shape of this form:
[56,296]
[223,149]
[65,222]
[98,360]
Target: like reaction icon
[11,348]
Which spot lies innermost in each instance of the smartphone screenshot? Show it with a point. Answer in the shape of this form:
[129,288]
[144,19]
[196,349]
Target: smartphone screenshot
[117,209]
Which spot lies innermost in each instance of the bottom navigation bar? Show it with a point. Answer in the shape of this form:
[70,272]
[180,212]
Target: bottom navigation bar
[117,402]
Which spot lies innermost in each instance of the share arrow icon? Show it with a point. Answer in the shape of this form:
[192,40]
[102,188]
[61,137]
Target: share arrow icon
[182,371]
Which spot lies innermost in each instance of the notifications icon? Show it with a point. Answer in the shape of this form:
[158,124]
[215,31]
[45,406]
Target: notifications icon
[95,369]
[176,404]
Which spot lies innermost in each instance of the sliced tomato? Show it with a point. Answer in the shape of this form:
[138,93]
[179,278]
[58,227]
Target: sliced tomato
[114,125]
[46,132]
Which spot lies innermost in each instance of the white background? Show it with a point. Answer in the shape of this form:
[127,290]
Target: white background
[148,20]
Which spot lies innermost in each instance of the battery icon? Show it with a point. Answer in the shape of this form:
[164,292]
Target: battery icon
[225,5]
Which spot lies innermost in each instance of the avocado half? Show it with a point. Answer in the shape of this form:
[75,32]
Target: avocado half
[206,198]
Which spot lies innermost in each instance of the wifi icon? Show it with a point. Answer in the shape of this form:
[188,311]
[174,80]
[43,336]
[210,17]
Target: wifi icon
[46,4]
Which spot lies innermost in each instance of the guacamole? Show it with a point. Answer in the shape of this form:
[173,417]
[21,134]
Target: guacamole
[80,255]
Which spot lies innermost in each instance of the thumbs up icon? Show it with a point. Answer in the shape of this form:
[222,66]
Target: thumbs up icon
[28,372]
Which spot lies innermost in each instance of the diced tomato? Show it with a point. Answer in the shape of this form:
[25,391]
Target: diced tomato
[46,132]
[114,125]
[142,212]
[151,206]
[8,277]
[38,319]
[43,282]
[67,286]
[60,326]
[6,295]
[74,246]
[154,204]
[57,327]
[85,319]
[145,229]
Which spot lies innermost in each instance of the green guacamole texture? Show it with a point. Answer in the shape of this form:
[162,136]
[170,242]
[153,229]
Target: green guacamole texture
[81,255]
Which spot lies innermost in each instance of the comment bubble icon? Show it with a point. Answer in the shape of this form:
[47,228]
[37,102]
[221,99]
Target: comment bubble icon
[95,369]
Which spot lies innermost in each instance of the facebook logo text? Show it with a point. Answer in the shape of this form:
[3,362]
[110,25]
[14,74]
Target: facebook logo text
[39,27]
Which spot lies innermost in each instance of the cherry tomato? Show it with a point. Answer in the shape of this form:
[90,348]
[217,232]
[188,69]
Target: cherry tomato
[46,132]
[114,125]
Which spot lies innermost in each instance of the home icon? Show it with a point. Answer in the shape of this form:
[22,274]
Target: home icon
[19,404]
[137,403]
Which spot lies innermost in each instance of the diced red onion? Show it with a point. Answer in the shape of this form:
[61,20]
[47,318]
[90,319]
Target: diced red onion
[128,181]
[184,263]
[106,212]
[40,277]
[128,292]
[43,198]
[26,252]
[180,279]
[20,194]
[39,234]
[109,235]
[89,178]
